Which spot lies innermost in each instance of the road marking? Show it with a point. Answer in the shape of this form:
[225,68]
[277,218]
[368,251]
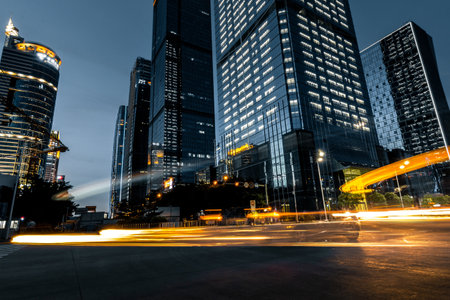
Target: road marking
[7,249]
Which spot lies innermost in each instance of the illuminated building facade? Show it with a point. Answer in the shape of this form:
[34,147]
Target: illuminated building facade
[52,158]
[135,158]
[406,92]
[117,160]
[181,138]
[29,75]
[292,66]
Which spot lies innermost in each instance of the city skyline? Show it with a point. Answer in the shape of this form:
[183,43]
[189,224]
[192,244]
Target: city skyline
[92,92]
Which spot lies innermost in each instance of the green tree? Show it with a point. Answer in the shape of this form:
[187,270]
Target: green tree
[376,199]
[349,201]
[430,199]
[408,201]
[441,199]
[392,199]
[44,202]
[427,200]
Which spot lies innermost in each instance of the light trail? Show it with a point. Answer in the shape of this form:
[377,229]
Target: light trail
[360,183]
[133,235]
[313,234]
[406,214]
[57,239]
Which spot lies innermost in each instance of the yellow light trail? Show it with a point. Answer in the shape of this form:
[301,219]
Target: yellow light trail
[360,183]
[132,235]
[407,214]
[212,217]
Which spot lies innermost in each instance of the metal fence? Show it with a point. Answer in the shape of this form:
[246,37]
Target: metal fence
[185,223]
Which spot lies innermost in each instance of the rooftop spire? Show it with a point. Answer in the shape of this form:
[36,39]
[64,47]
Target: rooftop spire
[11,30]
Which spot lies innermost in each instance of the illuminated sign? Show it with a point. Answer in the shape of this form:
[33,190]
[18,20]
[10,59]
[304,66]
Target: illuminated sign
[243,148]
[42,53]
[142,81]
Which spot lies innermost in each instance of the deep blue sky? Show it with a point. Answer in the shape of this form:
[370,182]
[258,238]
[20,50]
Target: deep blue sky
[98,41]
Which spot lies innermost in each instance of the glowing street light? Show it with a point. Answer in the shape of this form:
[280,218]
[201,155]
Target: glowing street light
[320,159]
[398,185]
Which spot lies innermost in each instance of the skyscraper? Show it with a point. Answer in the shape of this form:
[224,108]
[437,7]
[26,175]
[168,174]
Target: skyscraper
[29,75]
[52,158]
[287,67]
[136,134]
[408,101]
[181,138]
[117,160]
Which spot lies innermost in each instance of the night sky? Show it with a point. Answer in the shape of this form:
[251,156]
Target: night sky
[99,40]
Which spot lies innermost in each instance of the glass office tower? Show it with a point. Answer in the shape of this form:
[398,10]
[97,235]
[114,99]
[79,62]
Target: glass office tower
[29,75]
[136,134]
[117,160]
[406,92]
[181,137]
[52,158]
[292,66]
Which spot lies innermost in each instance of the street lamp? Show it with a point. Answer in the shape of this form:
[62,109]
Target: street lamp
[293,187]
[398,185]
[399,189]
[8,224]
[320,158]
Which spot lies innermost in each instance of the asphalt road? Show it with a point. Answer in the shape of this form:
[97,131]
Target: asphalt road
[392,259]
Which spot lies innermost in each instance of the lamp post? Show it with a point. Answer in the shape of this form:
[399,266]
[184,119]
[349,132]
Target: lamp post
[21,152]
[398,185]
[8,224]
[293,188]
[265,185]
[319,159]
[399,189]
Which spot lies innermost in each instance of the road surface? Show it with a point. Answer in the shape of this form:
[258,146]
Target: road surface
[391,259]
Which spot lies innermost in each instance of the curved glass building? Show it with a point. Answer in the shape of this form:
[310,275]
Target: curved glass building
[29,75]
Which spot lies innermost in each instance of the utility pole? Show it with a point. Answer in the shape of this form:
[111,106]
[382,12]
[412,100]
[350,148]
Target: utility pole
[399,190]
[8,224]
[318,160]
[293,187]
[265,185]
